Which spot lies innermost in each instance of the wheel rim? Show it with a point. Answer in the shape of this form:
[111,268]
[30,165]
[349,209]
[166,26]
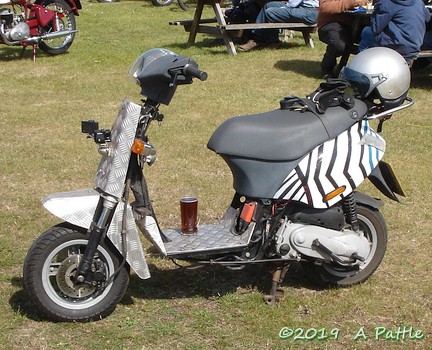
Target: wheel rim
[58,269]
[369,231]
[64,23]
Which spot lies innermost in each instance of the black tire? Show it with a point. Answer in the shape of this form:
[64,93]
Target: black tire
[47,269]
[373,226]
[61,44]
[187,5]
[162,2]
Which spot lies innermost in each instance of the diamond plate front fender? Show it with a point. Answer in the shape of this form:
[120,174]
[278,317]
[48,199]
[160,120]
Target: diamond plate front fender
[78,207]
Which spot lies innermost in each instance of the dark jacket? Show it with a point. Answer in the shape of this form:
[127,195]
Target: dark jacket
[400,25]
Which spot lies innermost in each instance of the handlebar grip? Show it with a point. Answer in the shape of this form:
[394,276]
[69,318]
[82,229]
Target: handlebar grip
[191,70]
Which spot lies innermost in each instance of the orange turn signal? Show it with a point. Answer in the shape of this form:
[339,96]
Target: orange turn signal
[138,146]
[334,193]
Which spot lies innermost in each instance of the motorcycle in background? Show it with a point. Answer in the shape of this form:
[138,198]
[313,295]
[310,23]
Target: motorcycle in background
[295,172]
[47,24]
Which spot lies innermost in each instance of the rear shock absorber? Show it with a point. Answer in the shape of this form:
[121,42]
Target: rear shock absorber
[350,210]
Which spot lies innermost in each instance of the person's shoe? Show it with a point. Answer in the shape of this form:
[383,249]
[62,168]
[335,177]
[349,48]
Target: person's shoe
[250,45]
[328,73]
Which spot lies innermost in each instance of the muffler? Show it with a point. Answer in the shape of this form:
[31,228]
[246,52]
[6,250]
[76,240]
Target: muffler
[36,39]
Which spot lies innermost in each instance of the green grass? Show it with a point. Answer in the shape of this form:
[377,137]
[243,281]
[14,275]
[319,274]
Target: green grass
[42,151]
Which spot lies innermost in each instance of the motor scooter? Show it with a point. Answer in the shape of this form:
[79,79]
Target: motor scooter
[295,171]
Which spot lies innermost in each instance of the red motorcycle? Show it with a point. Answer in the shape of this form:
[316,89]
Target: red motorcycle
[47,24]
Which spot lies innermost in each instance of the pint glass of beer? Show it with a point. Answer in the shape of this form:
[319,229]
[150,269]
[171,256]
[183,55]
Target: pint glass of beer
[188,213]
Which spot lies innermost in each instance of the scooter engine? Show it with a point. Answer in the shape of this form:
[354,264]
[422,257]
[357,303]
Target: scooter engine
[298,240]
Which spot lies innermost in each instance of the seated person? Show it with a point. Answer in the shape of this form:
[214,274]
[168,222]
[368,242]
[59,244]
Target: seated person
[293,11]
[423,62]
[427,45]
[335,30]
[397,24]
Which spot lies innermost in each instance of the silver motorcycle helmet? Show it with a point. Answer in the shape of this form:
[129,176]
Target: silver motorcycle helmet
[379,73]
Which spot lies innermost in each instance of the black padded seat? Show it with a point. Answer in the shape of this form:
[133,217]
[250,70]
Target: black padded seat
[282,135]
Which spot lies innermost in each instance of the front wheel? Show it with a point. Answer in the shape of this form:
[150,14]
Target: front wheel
[49,270]
[373,227]
[64,21]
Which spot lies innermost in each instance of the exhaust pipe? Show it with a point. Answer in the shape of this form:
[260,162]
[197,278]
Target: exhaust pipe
[50,36]
[57,34]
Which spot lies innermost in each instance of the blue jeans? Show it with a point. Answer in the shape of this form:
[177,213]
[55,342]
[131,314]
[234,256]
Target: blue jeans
[367,39]
[277,11]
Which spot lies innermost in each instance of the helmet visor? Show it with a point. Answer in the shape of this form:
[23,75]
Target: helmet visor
[365,83]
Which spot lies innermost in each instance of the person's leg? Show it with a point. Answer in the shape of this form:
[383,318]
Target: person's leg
[423,62]
[269,35]
[278,12]
[367,39]
[338,40]
[291,14]
[427,41]
[262,37]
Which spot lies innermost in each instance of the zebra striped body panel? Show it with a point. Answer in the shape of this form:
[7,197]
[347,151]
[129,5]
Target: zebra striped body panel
[343,162]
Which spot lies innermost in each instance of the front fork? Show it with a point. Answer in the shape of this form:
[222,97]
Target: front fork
[98,228]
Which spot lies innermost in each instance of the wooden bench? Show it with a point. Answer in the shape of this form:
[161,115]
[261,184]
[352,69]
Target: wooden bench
[218,26]
[203,26]
[236,30]
[305,29]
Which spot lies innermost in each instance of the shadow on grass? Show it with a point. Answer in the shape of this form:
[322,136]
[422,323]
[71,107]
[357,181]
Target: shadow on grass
[307,68]
[8,53]
[210,281]
[13,53]
[209,43]
[20,303]
[420,78]
[212,46]
[206,282]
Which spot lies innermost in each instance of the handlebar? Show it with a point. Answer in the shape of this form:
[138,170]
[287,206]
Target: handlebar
[191,70]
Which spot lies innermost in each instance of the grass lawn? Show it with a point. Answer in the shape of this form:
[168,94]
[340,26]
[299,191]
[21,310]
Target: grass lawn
[42,151]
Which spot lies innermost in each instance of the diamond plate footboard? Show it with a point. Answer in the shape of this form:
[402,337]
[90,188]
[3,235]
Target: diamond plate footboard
[208,239]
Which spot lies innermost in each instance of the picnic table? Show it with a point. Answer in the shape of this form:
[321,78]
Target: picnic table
[217,26]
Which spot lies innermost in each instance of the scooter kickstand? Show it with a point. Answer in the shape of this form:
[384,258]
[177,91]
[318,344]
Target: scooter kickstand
[277,293]
[33,52]
[22,52]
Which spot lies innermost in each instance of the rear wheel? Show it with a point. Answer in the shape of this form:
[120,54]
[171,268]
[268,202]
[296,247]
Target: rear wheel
[188,5]
[162,2]
[373,226]
[65,21]
[49,271]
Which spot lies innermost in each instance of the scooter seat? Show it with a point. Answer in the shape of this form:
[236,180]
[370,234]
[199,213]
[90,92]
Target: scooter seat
[282,135]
